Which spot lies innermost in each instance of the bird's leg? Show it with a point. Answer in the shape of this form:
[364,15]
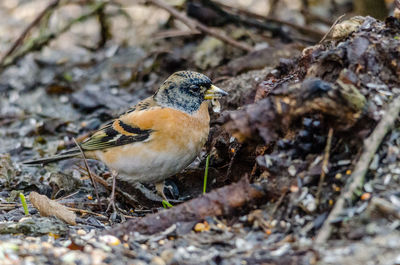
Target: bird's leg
[160,190]
[114,175]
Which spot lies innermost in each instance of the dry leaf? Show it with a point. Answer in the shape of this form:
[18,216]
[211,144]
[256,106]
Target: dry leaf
[48,207]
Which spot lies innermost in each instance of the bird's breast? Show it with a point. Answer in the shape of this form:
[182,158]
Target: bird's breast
[176,140]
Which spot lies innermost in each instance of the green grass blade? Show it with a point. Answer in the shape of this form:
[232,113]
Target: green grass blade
[206,174]
[24,205]
[166,204]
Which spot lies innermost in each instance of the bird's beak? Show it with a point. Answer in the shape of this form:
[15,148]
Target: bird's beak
[214,93]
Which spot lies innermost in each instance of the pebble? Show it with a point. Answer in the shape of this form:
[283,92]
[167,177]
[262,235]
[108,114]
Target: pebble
[281,251]
[200,227]
[81,232]
[292,171]
[157,261]
[110,240]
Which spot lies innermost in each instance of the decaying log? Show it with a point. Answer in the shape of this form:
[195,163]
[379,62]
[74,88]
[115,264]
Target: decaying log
[274,114]
[220,202]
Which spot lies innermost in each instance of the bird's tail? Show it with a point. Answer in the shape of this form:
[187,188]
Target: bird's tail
[46,160]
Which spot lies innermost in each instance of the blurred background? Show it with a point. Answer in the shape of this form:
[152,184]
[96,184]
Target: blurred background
[144,19]
[69,66]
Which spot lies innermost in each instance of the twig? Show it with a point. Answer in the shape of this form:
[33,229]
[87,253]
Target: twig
[89,173]
[174,33]
[325,162]
[82,211]
[21,37]
[371,145]
[132,201]
[278,203]
[223,201]
[67,196]
[309,31]
[229,170]
[194,25]
[331,28]
[250,21]
[41,41]
[105,28]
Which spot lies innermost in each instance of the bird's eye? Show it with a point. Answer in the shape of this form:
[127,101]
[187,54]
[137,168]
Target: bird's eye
[195,88]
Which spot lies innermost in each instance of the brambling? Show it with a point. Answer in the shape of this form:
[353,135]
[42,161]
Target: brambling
[158,137]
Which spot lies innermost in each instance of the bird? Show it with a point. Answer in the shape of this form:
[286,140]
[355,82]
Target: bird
[156,138]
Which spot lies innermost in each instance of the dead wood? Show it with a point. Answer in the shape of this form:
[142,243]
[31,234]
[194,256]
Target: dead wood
[325,162]
[272,116]
[42,40]
[371,145]
[25,32]
[221,16]
[331,28]
[220,202]
[194,25]
[89,172]
[313,33]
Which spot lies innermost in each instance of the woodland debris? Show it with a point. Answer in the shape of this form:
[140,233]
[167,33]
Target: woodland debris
[42,40]
[325,162]
[220,202]
[314,33]
[331,28]
[343,29]
[333,79]
[194,25]
[53,4]
[89,172]
[35,226]
[273,115]
[384,207]
[48,207]
[371,145]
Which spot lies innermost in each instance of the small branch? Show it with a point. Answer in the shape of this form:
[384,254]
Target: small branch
[39,42]
[307,30]
[331,28]
[325,162]
[105,28]
[82,211]
[89,173]
[371,145]
[24,33]
[130,199]
[194,25]
[223,201]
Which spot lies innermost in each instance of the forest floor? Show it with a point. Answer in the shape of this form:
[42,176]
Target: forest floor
[304,156]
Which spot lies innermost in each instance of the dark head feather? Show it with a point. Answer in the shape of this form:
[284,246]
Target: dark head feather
[183,90]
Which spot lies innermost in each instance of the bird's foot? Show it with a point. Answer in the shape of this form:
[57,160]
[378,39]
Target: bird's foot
[111,203]
[160,190]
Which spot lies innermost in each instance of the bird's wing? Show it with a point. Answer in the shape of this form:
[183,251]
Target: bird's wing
[126,129]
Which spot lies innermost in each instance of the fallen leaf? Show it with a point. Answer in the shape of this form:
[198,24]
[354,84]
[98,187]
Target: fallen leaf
[48,207]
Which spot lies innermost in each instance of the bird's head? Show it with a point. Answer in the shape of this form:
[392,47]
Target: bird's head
[186,90]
